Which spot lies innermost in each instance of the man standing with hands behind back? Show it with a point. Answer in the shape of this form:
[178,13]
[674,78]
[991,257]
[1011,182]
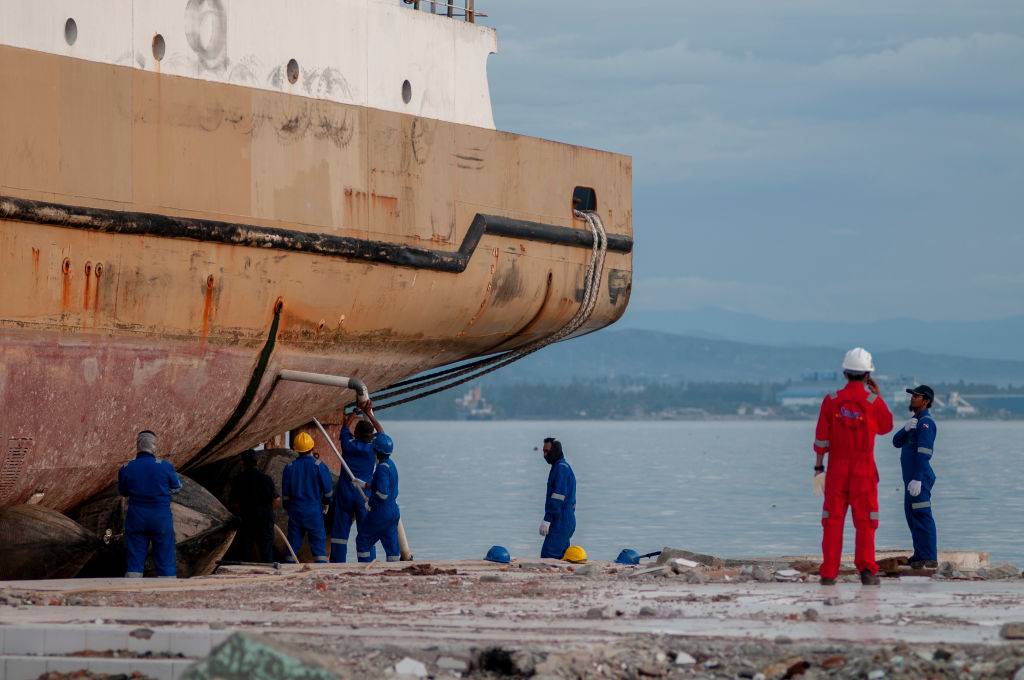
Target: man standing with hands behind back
[916,440]
[849,421]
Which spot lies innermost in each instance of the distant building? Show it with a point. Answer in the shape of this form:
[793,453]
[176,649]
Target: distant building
[802,397]
[473,406]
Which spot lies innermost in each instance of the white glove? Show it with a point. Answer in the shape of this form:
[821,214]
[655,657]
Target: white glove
[914,488]
[911,424]
[358,483]
[544,528]
[818,485]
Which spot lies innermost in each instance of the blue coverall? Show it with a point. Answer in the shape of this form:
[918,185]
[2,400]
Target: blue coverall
[560,510]
[915,460]
[305,489]
[348,501]
[148,484]
[382,521]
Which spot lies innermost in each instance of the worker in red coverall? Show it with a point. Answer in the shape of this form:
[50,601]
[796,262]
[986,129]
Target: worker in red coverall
[849,421]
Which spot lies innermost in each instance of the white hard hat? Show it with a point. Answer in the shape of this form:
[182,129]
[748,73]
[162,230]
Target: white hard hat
[858,359]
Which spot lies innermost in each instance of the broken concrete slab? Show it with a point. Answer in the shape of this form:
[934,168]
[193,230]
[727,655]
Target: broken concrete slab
[1003,570]
[250,656]
[669,554]
[1012,631]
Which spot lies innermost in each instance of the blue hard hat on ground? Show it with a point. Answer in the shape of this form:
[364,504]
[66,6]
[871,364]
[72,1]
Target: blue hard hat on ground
[382,443]
[628,556]
[498,554]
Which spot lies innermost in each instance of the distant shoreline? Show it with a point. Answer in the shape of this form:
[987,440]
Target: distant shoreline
[696,419]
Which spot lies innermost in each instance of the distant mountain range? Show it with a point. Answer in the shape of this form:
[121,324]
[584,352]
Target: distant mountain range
[652,355]
[996,339]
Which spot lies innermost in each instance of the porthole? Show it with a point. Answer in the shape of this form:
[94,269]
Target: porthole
[70,31]
[406,91]
[293,71]
[159,47]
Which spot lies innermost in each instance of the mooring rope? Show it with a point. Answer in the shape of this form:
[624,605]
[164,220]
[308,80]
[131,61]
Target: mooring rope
[463,373]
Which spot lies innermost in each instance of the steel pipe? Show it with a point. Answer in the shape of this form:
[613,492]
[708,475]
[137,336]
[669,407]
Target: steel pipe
[362,394]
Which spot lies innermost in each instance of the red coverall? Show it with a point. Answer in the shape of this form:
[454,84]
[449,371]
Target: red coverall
[848,423]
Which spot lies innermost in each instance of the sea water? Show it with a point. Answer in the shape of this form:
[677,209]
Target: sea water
[731,488]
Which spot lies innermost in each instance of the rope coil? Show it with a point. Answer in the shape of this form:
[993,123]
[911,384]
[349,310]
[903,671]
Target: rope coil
[461,374]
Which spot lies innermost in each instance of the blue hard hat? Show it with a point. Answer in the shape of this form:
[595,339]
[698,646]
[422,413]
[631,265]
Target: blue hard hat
[382,444]
[628,556]
[498,554]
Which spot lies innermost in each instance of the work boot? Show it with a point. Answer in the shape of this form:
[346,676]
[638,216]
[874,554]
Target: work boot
[827,581]
[869,579]
[924,564]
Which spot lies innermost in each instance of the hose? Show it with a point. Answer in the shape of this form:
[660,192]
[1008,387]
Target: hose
[463,373]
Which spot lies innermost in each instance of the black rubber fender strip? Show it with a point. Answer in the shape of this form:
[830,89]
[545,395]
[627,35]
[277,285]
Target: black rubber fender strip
[247,397]
[233,233]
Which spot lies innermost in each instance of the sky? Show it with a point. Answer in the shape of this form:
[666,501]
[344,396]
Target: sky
[813,159]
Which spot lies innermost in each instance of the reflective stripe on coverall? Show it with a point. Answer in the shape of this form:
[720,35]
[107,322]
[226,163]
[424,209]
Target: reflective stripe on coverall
[348,502]
[148,484]
[848,423]
[559,509]
[305,489]
[382,521]
[915,460]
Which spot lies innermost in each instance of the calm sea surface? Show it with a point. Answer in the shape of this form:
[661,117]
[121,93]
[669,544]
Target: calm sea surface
[728,488]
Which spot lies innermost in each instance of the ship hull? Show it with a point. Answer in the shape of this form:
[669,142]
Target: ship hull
[168,245]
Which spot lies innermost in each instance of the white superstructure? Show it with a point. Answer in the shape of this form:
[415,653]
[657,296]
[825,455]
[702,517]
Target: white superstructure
[374,53]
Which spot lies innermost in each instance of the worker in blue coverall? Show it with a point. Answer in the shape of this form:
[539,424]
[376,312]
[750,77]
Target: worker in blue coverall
[382,521]
[916,441]
[559,504]
[350,502]
[306,493]
[148,484]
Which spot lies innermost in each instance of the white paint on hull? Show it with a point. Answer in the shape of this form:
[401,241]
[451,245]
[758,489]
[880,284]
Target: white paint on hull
[348,51]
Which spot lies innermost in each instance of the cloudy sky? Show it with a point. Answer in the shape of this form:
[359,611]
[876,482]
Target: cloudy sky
[813,159]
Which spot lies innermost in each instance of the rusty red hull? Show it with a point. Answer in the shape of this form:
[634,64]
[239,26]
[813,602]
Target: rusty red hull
[168,245]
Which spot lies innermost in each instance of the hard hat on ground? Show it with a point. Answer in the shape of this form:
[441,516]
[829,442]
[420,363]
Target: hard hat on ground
[498,554]
[575,554]
[383,444]
[858,360]
[628,556]
[303,442]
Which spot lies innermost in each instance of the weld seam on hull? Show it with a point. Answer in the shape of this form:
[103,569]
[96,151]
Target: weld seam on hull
[247,397]
[233,233]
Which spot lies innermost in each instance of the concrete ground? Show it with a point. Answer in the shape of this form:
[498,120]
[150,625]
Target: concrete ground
[542,618]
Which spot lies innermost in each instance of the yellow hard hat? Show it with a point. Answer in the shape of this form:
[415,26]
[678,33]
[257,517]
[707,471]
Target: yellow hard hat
[575,554]
[303,443]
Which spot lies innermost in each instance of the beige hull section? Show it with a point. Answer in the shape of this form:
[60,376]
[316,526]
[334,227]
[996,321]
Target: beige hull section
[107,333]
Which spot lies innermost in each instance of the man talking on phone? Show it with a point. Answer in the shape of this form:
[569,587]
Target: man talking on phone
[848,423]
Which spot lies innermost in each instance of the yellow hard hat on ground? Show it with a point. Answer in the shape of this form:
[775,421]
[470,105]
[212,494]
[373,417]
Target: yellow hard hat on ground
[303,443]
[575,554]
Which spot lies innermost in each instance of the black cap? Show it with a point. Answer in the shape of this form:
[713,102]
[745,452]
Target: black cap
[925,391]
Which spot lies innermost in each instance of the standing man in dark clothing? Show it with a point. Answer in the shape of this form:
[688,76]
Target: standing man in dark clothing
[916,441]
[559,503]
[253,499]
[148,484]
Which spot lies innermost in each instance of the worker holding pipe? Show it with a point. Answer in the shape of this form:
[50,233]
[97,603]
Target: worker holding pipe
[848,423]
[559,522]
[306,493]
[381,523]
[350,502]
